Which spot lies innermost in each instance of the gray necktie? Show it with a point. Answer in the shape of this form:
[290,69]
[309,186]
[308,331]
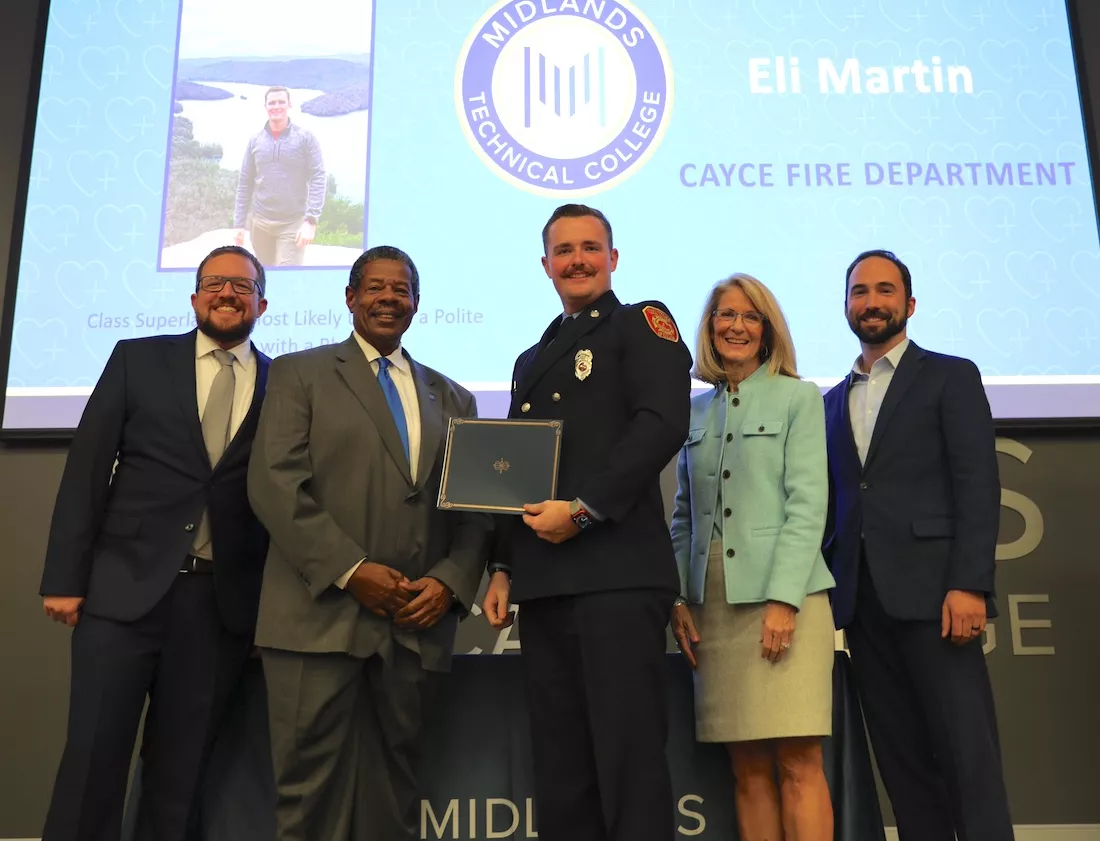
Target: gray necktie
[215,434]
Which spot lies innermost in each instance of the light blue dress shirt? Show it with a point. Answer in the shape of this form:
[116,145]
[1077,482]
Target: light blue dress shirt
[866,395]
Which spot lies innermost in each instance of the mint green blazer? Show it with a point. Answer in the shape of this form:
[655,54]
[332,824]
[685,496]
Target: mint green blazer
[777,492]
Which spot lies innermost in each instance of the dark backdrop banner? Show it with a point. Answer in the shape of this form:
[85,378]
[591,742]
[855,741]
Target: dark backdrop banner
[477,770]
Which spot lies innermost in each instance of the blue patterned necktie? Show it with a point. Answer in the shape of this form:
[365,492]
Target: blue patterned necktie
[394,399]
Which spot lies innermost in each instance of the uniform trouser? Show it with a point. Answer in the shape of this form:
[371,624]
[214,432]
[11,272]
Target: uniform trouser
[594,675]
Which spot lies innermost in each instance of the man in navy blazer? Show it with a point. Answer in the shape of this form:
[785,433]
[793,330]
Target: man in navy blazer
[155,559]
[911,538]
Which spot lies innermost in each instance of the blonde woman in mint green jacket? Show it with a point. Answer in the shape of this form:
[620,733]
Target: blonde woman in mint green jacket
[753,618]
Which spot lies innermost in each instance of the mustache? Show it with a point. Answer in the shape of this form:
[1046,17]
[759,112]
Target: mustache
[869,314]
[580,267]
[394,311]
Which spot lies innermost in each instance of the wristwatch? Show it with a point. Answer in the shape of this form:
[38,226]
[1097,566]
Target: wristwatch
[579,514]
[679,601]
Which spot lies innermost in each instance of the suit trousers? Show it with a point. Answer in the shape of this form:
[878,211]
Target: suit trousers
[594,676]
[933,726]
[346,743]
[186,662]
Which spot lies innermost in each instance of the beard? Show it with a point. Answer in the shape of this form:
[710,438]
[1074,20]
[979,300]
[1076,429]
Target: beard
[236,333]
[893,324]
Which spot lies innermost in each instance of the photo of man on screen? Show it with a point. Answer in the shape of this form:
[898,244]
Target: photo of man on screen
[281,188]
[267,145]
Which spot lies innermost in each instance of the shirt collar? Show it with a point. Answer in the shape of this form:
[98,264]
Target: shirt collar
[605,303]
[397,358]
[893,358]
[204,346]
[271,131]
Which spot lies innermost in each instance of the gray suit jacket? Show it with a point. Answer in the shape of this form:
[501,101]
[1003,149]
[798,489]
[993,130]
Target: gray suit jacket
[329,479]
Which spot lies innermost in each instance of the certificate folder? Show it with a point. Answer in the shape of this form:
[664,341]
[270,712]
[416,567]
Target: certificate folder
[497,466]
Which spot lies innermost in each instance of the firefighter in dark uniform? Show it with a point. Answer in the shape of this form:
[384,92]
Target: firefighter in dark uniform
[593,570]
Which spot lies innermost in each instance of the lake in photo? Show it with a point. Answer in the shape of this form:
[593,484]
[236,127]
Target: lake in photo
[231,123]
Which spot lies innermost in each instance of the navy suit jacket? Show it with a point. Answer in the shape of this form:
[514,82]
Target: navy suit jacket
[119,534]
[927,500]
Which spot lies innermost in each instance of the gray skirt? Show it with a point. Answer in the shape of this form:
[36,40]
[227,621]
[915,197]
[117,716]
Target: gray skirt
[740,696]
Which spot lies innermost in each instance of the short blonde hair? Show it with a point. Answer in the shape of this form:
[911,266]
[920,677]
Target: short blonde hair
[777,348]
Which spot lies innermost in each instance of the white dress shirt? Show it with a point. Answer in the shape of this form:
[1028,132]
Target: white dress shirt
[866,395]
[244,386]
[244,376]
[401,374]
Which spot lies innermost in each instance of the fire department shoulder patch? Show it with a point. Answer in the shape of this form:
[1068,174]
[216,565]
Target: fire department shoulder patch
[661,323]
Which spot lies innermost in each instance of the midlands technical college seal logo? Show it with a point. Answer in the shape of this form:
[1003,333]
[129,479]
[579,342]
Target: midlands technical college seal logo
[564,97]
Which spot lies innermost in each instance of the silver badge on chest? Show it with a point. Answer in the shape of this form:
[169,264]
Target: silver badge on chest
[582,364]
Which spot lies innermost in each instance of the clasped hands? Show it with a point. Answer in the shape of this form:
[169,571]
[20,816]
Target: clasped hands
[413,605]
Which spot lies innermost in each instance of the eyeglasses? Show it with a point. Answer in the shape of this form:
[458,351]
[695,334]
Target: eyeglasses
[751,318]
[216,283]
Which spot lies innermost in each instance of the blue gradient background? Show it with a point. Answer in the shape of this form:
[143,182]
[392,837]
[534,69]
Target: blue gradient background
[1008,276]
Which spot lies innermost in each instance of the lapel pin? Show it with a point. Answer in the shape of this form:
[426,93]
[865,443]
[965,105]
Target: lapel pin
[594,314]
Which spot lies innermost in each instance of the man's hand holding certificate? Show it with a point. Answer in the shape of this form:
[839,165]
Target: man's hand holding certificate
[551,520]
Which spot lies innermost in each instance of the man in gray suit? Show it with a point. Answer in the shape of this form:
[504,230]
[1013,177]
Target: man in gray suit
[366,579]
